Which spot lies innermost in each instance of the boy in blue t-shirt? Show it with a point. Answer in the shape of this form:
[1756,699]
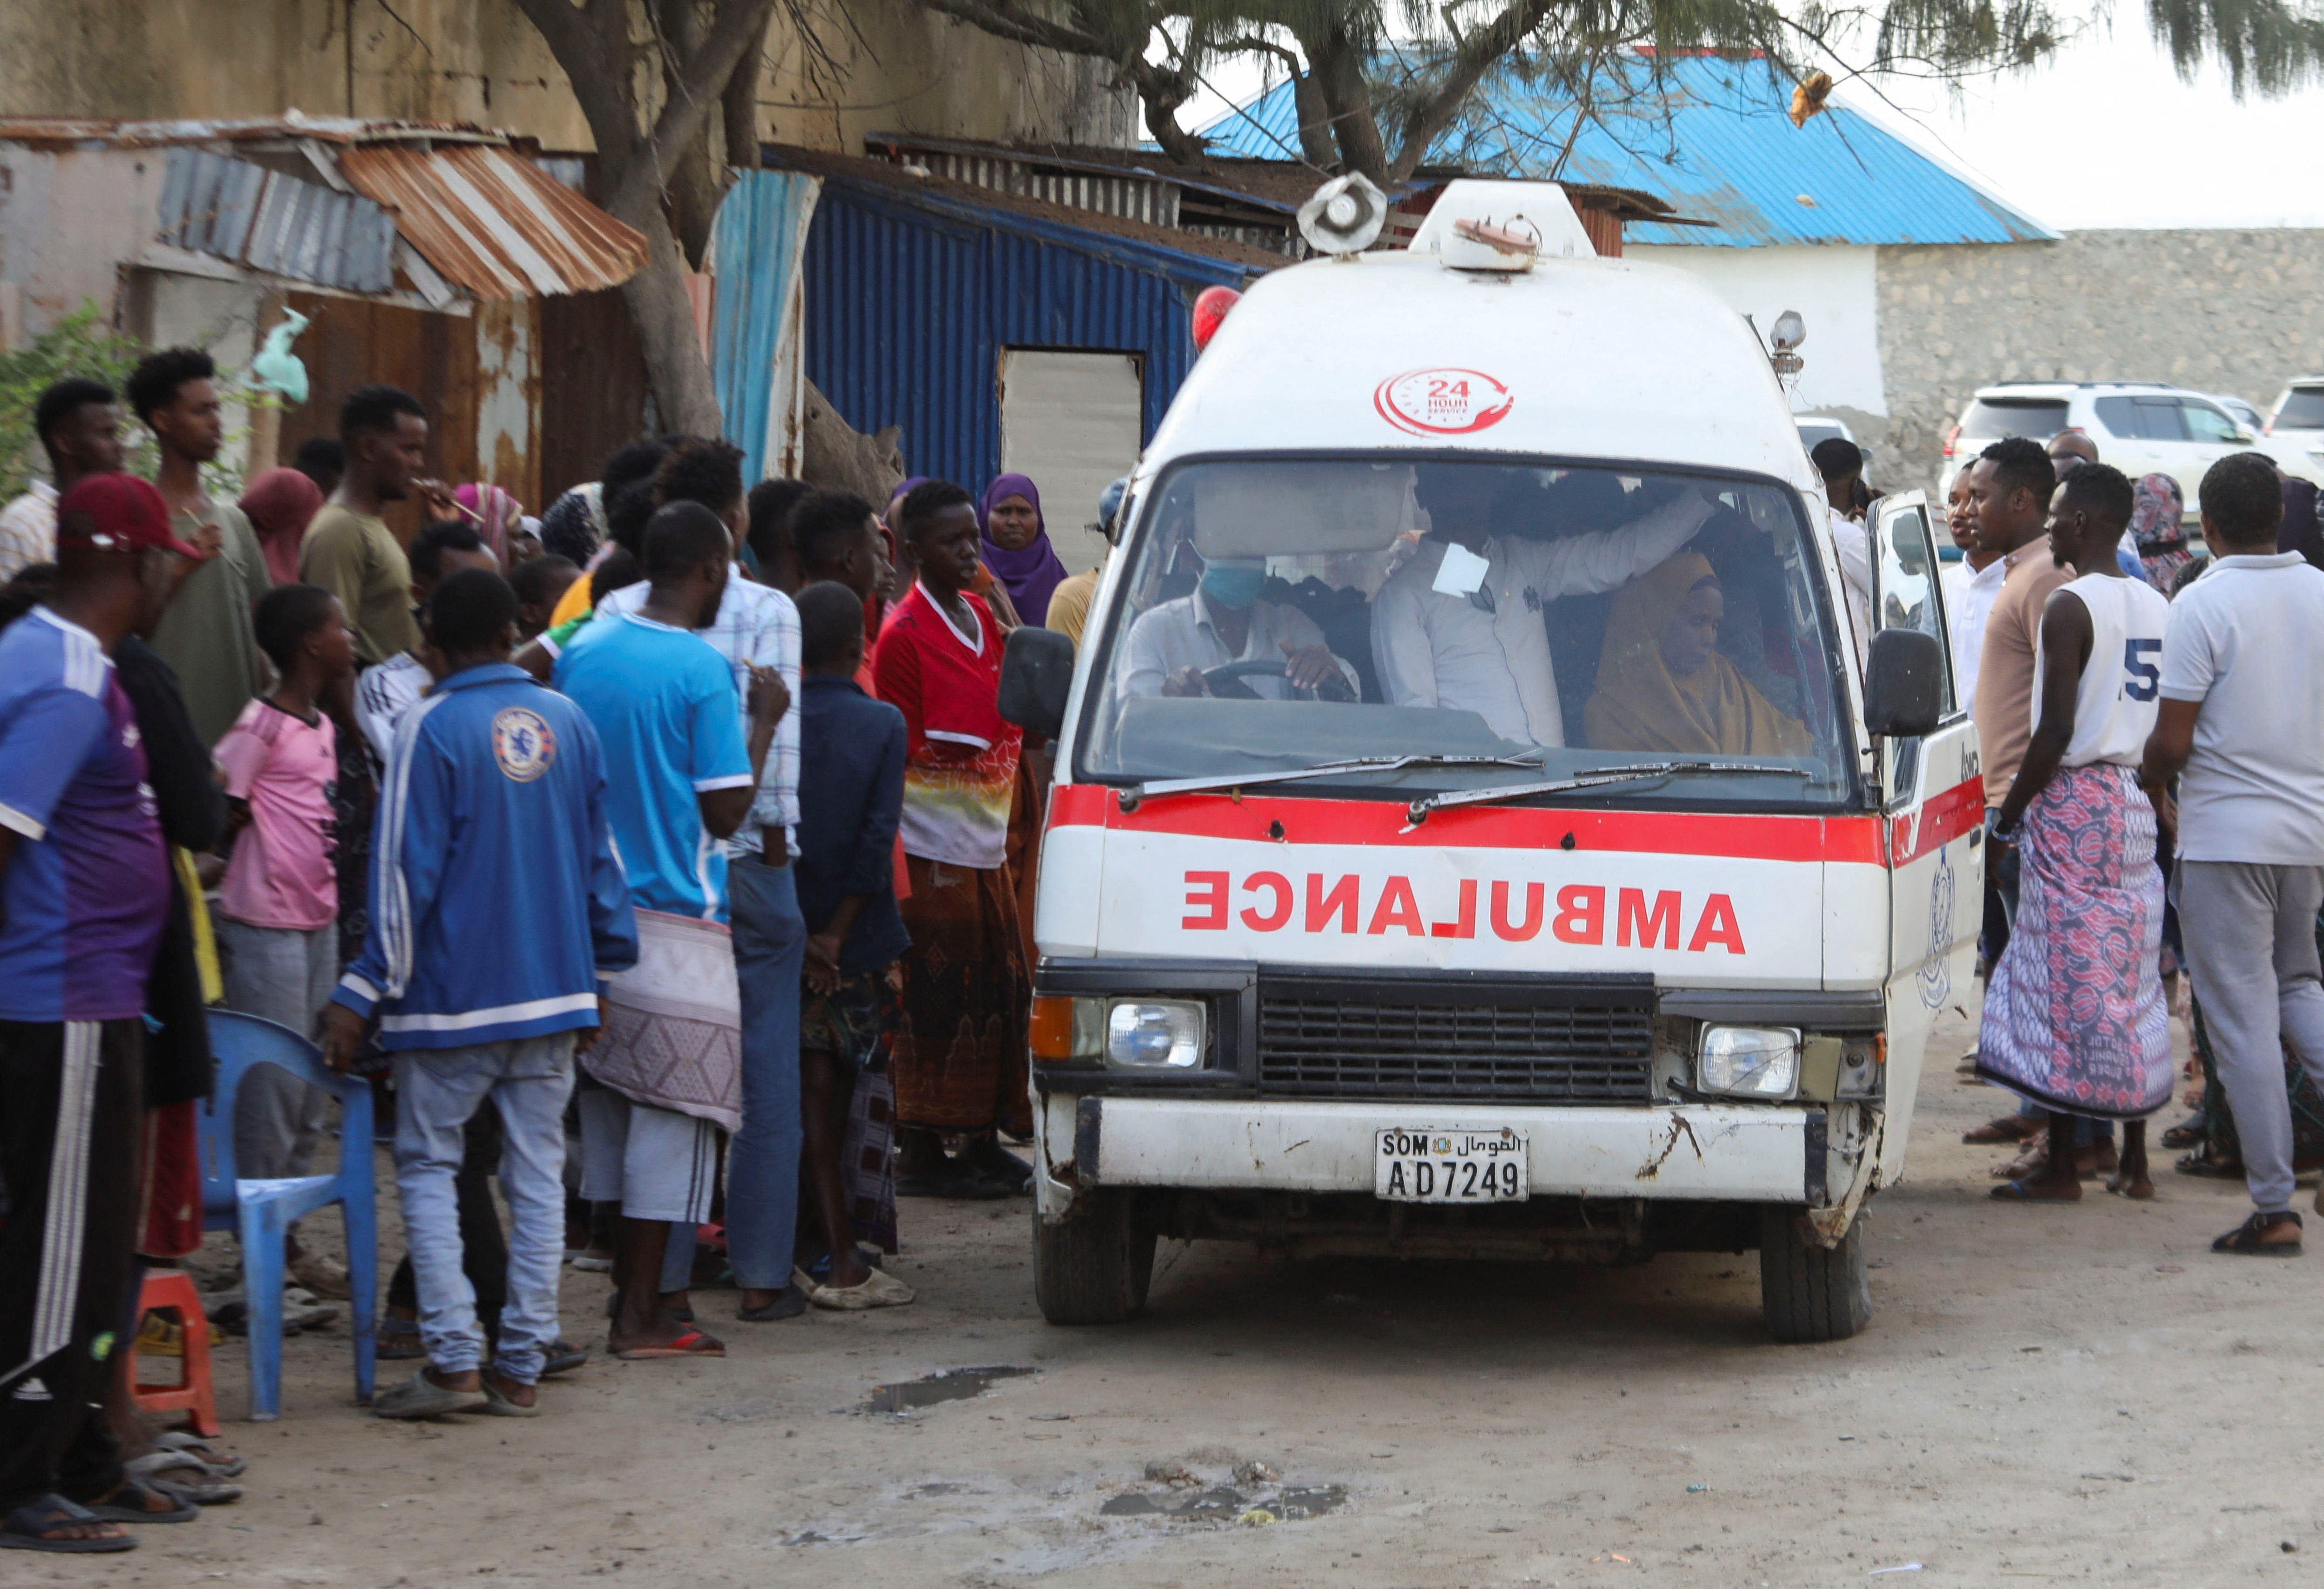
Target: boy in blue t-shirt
[682,776]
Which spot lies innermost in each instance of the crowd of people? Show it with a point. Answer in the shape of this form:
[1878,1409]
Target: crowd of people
[2155,796]
[661,858]
[668,860]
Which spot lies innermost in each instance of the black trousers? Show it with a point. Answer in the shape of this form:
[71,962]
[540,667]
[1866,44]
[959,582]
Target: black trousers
[69,1123]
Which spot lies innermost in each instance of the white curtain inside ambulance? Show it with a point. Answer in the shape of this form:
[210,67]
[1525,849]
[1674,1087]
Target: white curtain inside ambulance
[1288,613]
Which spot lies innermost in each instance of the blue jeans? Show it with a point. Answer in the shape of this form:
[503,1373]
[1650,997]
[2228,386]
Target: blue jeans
[528,1080]
[762,1163]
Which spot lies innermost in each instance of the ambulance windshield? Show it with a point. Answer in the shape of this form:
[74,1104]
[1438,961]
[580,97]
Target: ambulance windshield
[1283,614]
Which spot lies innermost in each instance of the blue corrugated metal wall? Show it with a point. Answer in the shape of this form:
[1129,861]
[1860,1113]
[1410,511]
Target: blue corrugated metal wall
[910,300]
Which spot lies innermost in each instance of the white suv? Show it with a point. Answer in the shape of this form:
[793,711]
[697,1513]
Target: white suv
[2299,413]
[2140,428]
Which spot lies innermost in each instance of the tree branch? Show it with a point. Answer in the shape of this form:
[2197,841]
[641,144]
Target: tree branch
[1472,57]
[699,81]
[1004,20]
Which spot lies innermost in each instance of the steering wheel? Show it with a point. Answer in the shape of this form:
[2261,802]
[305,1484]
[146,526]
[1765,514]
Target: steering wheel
[1228,681]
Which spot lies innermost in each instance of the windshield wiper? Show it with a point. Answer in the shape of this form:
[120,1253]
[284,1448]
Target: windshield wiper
[1136,792]
[1419,809]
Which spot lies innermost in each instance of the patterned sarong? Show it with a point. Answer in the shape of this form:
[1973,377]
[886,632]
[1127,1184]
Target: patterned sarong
[2074,1018]
[674,1022]
[958,1057]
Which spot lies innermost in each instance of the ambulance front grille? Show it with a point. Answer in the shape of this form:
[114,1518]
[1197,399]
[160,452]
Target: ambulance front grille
[1336,1047]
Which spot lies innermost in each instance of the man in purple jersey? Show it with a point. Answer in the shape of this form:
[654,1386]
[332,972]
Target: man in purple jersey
[84,889]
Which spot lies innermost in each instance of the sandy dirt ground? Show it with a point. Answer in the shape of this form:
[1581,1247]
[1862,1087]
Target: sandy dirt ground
[2062,1393]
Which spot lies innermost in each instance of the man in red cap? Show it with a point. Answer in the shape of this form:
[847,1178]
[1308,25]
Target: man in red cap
[84,891]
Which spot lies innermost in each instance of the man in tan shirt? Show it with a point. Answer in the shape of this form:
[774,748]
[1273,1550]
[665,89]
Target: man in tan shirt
[349,551]
[2009,489]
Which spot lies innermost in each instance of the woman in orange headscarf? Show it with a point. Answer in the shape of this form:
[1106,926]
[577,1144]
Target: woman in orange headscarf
[1661,684]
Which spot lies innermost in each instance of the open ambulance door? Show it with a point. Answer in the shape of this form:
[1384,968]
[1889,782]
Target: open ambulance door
[1933,824]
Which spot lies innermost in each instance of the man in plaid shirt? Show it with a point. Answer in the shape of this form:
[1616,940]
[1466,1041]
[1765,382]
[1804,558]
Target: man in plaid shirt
[756,626]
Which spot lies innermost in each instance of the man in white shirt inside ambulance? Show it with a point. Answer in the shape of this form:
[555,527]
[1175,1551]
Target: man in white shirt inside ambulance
[1459,626]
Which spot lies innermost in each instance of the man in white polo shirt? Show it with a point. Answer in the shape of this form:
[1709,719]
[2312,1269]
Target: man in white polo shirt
[2242,716]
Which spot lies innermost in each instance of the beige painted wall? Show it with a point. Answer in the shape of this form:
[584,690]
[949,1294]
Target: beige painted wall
[897,68]
[2233,312]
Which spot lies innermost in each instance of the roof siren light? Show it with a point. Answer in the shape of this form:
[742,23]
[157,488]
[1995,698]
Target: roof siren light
[1345,216]
[1785,335]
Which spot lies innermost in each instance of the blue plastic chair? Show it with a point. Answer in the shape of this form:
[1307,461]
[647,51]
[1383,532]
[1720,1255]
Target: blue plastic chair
[262,1210]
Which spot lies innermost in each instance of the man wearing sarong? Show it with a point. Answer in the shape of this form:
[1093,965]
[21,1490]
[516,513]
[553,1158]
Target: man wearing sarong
[2074,1019]
[2242,716]
[669,1068]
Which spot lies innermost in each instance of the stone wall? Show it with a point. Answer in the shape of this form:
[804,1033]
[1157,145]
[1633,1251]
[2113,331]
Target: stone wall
[893,66]
[2235,312]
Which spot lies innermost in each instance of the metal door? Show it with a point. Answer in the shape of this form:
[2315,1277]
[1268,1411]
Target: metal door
[1934,823]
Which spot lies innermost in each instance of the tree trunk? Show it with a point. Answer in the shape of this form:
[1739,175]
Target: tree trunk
[1316,146]
[677,374]
[738,107]
[1337,70]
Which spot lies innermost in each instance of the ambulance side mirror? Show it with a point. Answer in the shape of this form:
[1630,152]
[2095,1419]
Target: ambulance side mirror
[1037,675]
[1903,684]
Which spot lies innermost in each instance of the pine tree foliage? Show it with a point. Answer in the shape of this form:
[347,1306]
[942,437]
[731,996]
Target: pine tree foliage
[1380,84]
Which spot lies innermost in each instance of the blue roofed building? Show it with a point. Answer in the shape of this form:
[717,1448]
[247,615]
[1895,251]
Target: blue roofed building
[1774,215]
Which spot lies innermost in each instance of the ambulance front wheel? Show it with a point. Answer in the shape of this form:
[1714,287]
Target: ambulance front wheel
[1807,1292]
[1091,1266]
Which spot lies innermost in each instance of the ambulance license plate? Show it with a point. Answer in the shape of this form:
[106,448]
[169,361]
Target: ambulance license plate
[1450,1167]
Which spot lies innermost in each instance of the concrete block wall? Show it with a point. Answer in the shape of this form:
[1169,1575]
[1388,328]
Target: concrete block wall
[2235,312]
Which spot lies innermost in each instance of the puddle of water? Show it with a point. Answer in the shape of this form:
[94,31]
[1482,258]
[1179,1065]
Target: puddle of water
[954,1384]
[1220,1504]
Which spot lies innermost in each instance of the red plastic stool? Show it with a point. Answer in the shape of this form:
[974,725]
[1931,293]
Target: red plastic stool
[172,1290]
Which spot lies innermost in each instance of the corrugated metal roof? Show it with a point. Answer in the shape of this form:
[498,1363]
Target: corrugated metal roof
[215,204]
[912,297]
[86,131]
[1175,251]
[493,223]
[1733,158]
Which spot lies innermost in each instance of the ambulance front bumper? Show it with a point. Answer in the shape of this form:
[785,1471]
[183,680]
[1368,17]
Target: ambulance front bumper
[1713,1152]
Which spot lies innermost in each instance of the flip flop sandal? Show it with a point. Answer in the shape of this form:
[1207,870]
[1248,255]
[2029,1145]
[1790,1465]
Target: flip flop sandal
[2121,1188]
[419,1397]
[498,1405]
[789,1303]
[221,1465]
[876,1290]
[2017,1192]
[398,1341]
[2244,1241]
[692,1343]
[562,1358]
[2187,1133]
[196,1492]
[112,1511]
[22,1528]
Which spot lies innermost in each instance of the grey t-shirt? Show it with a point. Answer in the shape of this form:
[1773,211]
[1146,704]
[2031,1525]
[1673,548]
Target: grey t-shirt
[2247,640]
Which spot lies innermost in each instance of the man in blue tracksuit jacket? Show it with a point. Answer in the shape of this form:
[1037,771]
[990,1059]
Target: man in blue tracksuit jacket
[497,905]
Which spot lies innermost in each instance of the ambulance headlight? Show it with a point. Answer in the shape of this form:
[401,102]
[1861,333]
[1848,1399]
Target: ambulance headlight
[1749,1061]
[1153,1034]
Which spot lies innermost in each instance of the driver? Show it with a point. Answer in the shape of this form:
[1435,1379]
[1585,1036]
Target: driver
[1471,637]
[1171,647]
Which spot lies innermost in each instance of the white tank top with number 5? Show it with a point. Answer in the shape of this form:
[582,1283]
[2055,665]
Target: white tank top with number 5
[2117,707]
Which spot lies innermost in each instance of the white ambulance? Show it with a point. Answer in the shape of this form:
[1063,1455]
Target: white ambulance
[1473,833]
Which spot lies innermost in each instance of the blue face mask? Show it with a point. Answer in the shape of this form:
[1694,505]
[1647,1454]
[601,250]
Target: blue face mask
[1231,586]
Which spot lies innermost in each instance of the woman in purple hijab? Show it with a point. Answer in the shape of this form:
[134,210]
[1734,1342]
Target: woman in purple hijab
[1016,545]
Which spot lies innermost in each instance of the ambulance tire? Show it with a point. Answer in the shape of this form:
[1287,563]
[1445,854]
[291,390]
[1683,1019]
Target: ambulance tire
[1092,1266]
[1807,1292]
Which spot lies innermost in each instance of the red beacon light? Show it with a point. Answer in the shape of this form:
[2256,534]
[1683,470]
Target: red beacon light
[1211,307]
